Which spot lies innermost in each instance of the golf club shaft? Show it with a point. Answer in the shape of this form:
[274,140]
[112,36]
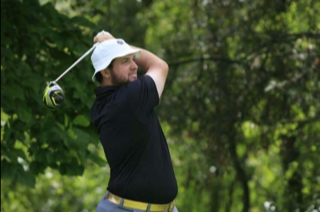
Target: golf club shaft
[73,65]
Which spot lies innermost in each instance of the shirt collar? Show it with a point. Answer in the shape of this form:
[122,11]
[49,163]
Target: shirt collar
[105,91]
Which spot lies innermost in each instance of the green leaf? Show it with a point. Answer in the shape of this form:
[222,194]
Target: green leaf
[32,81]
[82,139]
[25,115]
[98,160]
[13,154]
[81,120]
[291,170]
[50,157]
[83,22]
[37,167]
[27,178]
[8,170]
[71,169]
[14,92]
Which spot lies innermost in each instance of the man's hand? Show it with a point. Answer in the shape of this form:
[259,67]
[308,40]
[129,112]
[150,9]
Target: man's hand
[102,36]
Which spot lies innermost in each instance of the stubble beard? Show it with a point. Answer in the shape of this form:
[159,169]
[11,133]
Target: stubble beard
[116,80]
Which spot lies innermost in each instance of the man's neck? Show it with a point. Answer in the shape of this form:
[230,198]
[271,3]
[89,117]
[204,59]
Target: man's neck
[106,83]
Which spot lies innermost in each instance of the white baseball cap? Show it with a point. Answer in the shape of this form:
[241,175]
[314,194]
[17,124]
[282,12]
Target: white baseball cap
[107,51]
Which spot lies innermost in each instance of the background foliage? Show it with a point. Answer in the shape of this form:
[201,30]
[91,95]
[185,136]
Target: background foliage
[240,109]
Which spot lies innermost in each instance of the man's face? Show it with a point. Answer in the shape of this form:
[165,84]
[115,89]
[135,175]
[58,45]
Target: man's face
[124,70]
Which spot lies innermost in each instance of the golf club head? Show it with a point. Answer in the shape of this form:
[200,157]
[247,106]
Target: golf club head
[53,95]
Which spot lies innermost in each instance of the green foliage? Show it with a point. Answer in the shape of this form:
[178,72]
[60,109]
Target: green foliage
[55,192]
[240,110]
[241,77]
[36,47]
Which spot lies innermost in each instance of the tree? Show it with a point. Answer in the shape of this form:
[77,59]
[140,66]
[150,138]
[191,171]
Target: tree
[240,110]
[36,47]
[237,88]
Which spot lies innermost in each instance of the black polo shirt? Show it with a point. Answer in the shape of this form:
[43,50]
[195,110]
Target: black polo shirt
[133,142]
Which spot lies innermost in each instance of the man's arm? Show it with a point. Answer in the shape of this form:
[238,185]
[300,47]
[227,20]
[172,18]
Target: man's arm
[154,66]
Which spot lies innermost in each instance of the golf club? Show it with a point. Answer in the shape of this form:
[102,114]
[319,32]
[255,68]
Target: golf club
[53,95]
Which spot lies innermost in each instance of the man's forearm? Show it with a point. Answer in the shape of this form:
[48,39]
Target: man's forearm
[148,60]
[154,66]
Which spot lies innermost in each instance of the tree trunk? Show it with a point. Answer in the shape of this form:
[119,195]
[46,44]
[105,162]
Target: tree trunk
[241,174]
[293,192]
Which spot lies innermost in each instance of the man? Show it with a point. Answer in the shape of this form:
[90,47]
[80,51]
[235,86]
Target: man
[142,176]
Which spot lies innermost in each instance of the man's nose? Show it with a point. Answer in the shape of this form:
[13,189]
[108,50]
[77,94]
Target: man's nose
[134,65]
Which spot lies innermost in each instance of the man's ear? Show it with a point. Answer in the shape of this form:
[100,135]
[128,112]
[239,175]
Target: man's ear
[106,73]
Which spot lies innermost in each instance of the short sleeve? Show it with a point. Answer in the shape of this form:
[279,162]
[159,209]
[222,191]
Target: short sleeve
[142,94]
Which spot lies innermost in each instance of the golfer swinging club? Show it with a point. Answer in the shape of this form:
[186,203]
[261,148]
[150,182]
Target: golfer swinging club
[142,176]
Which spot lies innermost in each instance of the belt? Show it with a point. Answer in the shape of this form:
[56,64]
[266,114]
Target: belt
[135,205]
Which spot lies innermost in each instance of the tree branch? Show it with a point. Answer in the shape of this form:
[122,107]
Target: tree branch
[203,58]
